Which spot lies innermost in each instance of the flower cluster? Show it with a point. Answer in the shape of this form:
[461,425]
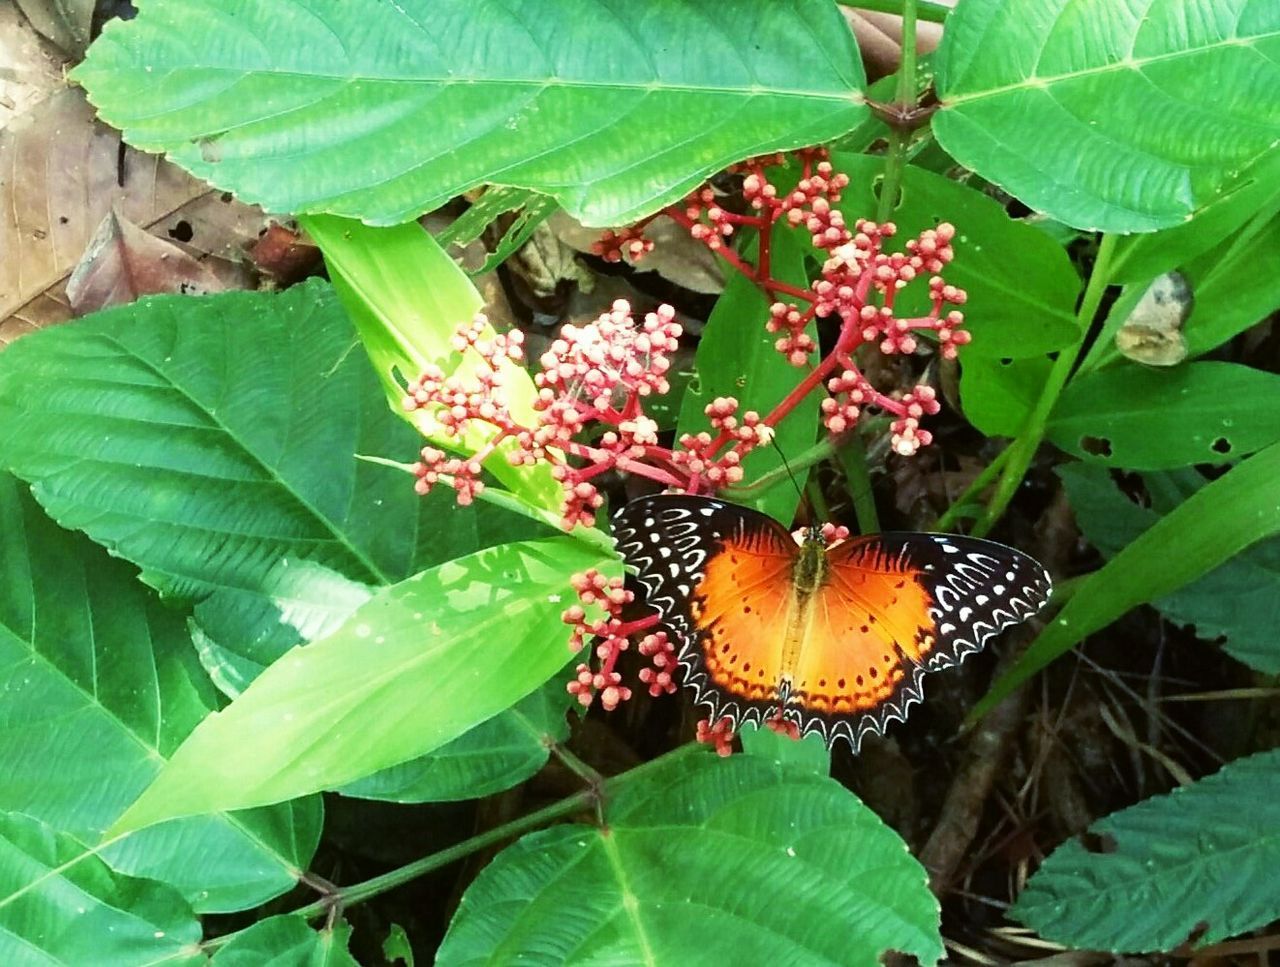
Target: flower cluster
[592,383]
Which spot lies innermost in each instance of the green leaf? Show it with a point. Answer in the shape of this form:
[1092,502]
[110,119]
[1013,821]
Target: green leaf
[497,754]
[1121,118]
[809,752]
[1021,284]
[1199,862]
[396,948]
[99,686]
[420,664]
[1237,600]
[1156,419]
[287,940]
[1210,527]
[212,441]
[407,299]
[999,394]
[60,904]
[483,212]
[1256,193]
[699,847]
[737,357]
[382,111]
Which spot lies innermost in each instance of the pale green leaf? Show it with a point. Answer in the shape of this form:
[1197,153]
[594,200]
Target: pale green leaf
[99,686]
[1199,862]
[418,665]
[407,300]
[1110,116]
[495,755]
[61,905]
[382,111]
[704,861]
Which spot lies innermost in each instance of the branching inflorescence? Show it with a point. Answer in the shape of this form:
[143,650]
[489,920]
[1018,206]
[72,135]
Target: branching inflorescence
[589,417]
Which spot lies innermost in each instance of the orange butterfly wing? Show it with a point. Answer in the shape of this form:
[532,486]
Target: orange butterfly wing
[893,607]
[720,577]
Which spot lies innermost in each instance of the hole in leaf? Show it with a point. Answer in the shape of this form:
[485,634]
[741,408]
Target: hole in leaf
[1006,360]
[1096,446]
[182,232]
[1099,843]
[1221,445]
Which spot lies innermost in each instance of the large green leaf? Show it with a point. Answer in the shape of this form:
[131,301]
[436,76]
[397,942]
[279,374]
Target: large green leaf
[1200,862]
[704,861]
[737,357]
[1239,600]
[381,111]
[418,665]
[1118,117]
[1210,527]
[999,394]
[1021,284]
[495,755]
[287,940]
[1157,419]
[213,442]
[98,686]
[60,904]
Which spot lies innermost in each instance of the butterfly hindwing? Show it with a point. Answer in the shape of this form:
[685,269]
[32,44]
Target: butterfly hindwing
[719,576]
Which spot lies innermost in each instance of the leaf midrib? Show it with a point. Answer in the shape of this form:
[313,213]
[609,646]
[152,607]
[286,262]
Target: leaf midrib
[1035,82]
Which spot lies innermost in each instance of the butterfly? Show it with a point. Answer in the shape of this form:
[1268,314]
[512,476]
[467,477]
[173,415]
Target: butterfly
[833,638]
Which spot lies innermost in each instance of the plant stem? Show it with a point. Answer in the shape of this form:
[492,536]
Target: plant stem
[1023,448]
[767,481]
[980,483]
[932,12]
[899,135]
[381,884]
[852,455]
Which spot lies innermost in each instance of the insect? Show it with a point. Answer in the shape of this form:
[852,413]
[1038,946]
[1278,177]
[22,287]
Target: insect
[836,639]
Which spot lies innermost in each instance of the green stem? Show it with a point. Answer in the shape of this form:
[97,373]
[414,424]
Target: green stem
[980,483]
[852,455]
[932,12]
[1023,449]
[905,100]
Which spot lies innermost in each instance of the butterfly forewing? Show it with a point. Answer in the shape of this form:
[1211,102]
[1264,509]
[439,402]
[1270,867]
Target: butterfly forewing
[720,577]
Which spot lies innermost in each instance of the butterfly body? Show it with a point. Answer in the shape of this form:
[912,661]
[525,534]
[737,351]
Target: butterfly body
[835,638]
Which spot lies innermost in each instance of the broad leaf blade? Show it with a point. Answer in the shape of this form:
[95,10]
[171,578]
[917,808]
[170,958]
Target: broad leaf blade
[1116,117]
[60,904]
[1211,526]
[1153,419]
[382,111]
[214,443]
[1199,862]
[698,847]
[424,661]
[1021,284]
[100,686]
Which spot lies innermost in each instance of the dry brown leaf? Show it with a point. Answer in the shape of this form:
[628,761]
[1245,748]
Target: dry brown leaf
[65,22]
[123,262]
[676,256]
[286,255]
[33,68]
